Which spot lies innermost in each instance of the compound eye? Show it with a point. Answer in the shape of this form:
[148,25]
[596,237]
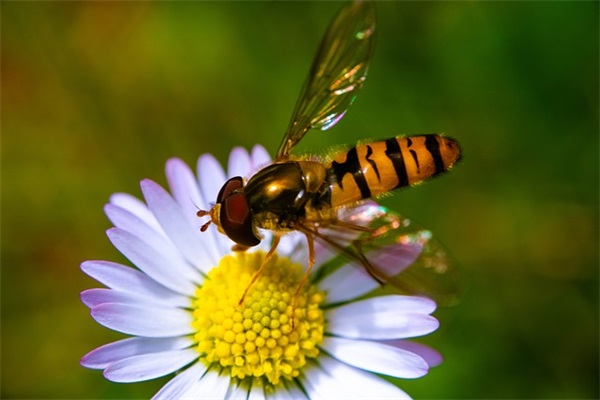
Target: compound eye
[229,187]
[236,219]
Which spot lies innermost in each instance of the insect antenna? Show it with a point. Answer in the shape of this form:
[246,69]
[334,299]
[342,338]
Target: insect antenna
[203,213]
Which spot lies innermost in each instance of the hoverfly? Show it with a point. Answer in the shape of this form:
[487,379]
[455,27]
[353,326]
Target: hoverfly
[328,200]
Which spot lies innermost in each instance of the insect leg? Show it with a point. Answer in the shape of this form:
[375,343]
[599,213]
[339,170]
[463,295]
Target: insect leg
[370,232]
[311,263]
[260,270]
[352,252]
[345,226]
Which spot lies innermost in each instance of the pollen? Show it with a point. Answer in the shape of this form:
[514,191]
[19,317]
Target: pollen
[270,337]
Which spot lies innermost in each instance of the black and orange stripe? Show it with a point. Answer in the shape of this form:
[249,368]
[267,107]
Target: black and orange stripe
[369,170]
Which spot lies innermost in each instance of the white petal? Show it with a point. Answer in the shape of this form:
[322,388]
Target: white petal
[376,357]
[149,366]
[179,385]
[143,321]
[170,215]
[101,357]
[431,356]
[347,283]
[186,192]
[291,392]
[136,207]
[335,380]
[183,186]
[280,393]
[383,317]
[93,297]
[211,177]
[125,219]
[394,302]
[328,382]
[259,158]
[239,163]
[170,272]
[120,277]
[132,224]
[211,386]
[234,392]
[258,393]
[384,325]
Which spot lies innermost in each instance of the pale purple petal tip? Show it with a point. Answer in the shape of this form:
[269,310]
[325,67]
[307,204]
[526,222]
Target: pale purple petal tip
[178,276]
[149,366]
[107,354]
[123,278]
[430,355]
[143,321]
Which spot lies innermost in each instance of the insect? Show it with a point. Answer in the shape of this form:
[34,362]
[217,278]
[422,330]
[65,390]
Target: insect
[327,199]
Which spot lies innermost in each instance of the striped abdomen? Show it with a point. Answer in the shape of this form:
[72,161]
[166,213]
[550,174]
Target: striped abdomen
[368,170]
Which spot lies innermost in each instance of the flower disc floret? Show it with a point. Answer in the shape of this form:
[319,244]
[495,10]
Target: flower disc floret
[272,334]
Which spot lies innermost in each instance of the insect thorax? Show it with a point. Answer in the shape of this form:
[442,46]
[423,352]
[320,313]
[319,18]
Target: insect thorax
[282,193]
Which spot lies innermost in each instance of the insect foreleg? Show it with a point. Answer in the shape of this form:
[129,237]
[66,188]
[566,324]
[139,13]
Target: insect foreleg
[260,270]
[311,263]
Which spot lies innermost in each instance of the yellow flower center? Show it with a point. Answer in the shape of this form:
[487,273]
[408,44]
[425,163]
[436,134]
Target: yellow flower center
[261,338]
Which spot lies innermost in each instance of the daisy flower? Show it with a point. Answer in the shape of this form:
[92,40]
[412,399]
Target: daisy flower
[180,306]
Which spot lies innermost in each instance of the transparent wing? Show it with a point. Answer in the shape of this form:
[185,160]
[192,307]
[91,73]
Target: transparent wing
[392,249]
[336,75]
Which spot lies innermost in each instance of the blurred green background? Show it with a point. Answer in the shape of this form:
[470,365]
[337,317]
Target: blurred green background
[98,95]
